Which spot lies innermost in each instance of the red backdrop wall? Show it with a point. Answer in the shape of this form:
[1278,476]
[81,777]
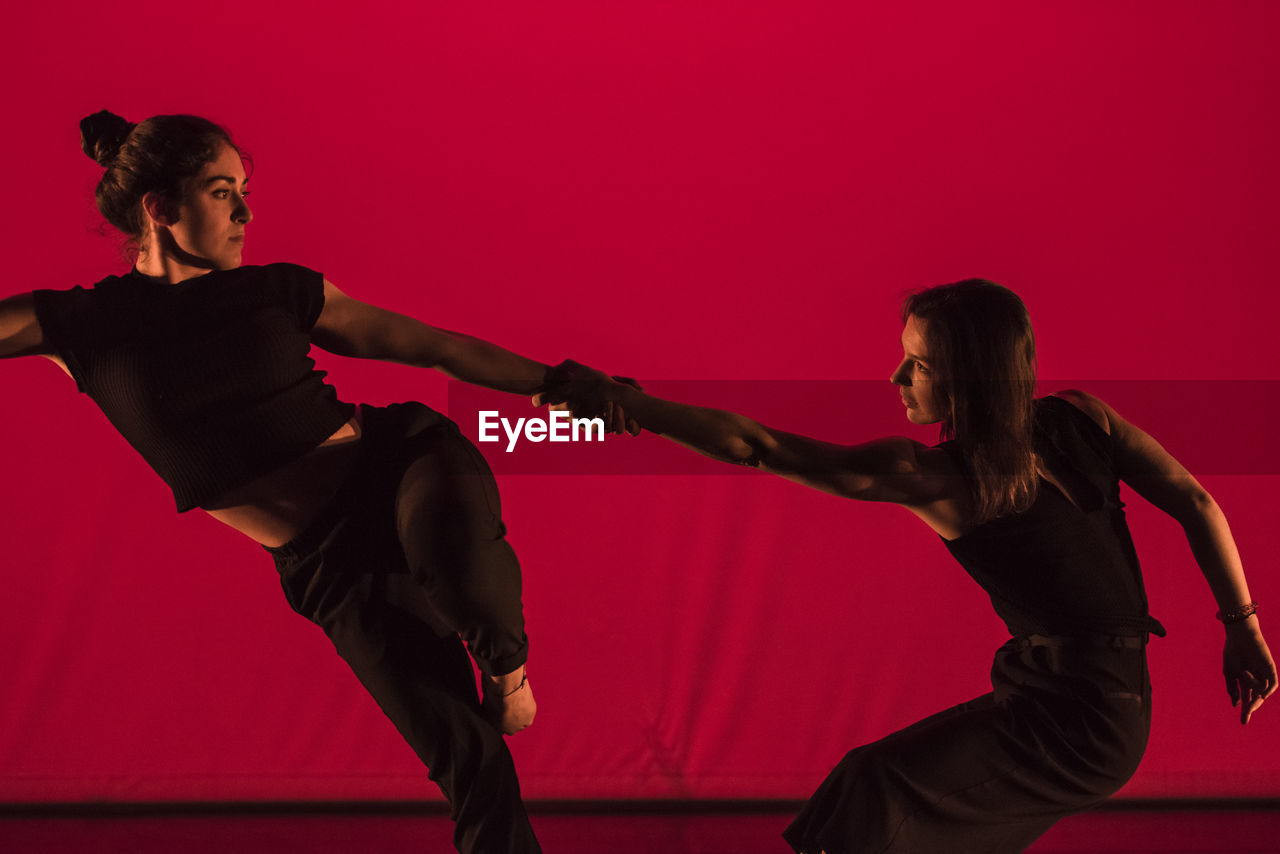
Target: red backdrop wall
[682,192]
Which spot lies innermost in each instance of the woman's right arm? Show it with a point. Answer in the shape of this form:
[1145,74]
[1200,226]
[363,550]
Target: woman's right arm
[888,469]
[1158,477]
[20,333]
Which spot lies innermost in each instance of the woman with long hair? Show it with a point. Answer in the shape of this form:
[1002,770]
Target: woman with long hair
[1025,494]
[384,522]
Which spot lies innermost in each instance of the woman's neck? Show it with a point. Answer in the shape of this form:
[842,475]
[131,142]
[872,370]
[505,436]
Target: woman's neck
[168,267]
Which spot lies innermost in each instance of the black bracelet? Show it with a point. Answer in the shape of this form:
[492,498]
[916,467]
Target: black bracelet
[524,680]
[1239,615]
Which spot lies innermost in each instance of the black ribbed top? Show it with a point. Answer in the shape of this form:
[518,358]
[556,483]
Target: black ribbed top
[1059,569]
[210,379]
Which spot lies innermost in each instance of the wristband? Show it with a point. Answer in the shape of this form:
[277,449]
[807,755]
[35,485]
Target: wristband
[1239,615]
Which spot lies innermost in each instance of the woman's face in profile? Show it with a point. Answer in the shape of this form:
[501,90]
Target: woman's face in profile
[213,214]
[914,376]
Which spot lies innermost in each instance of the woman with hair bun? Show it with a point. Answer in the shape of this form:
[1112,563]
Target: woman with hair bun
[1025,494]
[384,522]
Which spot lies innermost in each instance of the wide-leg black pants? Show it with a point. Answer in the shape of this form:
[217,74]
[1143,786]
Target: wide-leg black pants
[407,562]
[1064,727]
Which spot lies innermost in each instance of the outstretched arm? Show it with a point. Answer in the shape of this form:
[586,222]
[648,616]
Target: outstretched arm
[888,469]
[350,327]
[1154,474]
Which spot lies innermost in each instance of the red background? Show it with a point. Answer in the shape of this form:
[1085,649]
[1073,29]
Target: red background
[677,191]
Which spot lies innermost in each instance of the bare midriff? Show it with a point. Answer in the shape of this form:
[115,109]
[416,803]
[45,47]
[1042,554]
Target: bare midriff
[278,506]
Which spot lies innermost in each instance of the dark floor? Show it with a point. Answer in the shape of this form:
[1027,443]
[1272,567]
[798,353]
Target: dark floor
[1115,831]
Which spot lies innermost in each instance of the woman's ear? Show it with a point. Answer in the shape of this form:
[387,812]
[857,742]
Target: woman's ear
[158,209]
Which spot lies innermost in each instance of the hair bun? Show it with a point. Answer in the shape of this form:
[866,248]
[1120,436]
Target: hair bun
[102,135]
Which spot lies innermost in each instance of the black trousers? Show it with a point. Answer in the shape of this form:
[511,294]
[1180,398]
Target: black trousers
[407,562]
[1064,727]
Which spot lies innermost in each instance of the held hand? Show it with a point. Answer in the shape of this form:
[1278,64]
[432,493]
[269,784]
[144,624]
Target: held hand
[1248,667]
[615,419]
[630,425]
[587,393]
[576,384]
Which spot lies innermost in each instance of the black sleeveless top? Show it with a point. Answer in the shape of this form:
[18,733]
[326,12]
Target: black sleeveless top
[209,379]
[1059,569]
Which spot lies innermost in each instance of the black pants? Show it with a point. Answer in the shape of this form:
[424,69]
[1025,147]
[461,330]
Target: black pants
[407,562]
[1064,728]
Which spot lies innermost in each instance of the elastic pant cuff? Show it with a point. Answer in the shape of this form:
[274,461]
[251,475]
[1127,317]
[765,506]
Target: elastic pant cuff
[504,665]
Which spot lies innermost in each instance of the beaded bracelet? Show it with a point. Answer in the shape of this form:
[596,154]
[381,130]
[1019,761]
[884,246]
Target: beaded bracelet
[1239,615]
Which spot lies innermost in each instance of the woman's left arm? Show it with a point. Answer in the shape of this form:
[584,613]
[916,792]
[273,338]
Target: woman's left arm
[1158,477]
[350,327]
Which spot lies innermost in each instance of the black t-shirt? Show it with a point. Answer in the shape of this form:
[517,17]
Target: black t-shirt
[210,379]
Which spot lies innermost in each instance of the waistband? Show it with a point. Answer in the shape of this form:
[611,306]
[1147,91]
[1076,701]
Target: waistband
[384,429]
[1083,641]
[318,529]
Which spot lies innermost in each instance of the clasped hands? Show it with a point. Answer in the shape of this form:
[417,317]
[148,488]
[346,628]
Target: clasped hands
[587,393]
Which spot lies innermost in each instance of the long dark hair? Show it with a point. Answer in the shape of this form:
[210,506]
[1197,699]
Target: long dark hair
[983,350]
[158,155]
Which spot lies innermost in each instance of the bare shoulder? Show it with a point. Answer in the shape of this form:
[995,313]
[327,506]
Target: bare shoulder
[1090,405]
[900,456]
[908,472]
[903,456]
[894,469]
[935,461]
[895,454]
[1141,461]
